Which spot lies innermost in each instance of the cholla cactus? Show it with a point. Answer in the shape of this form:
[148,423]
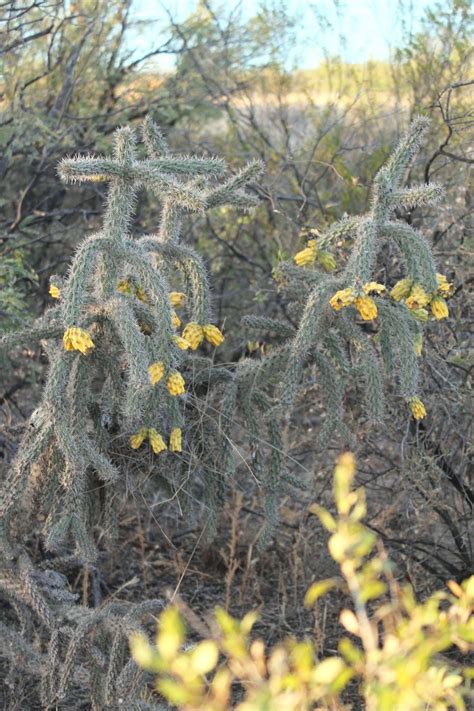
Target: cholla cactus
[327,322]
[331,311]
[116,356]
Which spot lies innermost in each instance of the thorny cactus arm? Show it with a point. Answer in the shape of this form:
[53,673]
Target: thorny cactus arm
[146,172]
[415,251]
[232,191]
[191,266]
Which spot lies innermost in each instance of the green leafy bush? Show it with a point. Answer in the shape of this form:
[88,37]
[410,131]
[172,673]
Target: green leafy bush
[394,655]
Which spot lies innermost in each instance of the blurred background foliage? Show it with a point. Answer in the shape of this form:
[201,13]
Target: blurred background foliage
[71,72]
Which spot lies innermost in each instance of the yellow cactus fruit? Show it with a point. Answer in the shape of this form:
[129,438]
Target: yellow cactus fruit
[75,339]
[194,335]
[125,287]
[177,298]
[137,440]
[156,372]
[140,293]
[175,383]
[175,440]
[342,298]
[54,291]
[373,287]
[213,334]
[156,441]
[327,261]
[181,342]
[175,320]
[307,255]
[366,307]
[445,288]
[417,408]
[401,289]
[439,308]
[418,298]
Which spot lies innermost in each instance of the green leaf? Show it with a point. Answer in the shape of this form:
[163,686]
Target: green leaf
[324,516]
[171,633]
[204,657]
[317,590]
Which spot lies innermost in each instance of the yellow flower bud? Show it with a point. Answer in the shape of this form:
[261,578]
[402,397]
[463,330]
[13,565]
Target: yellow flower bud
[156,441]
[181,342]
[175,383]
[366,307]
[372,287]
[194,334]
[175,440]
[175,320]
[156,372]
[327,261]
[445,288]
[401,289]
[177,298]
[137,440]
[141,294]
[213,334]
[342,298]
[128,288]
[124,287]
[307,255]
[75,339]
[417,408]
[54,291]
[418,298]
[439,308]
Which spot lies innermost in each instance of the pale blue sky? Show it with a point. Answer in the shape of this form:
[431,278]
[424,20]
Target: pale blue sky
[370,28]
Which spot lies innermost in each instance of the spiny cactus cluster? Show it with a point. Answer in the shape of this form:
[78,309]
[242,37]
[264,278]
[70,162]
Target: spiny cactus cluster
[123,370]
[76,655]
[331,309]
[332,304]
[117,360]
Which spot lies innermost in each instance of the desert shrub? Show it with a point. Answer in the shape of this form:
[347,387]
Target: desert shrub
[396,652]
